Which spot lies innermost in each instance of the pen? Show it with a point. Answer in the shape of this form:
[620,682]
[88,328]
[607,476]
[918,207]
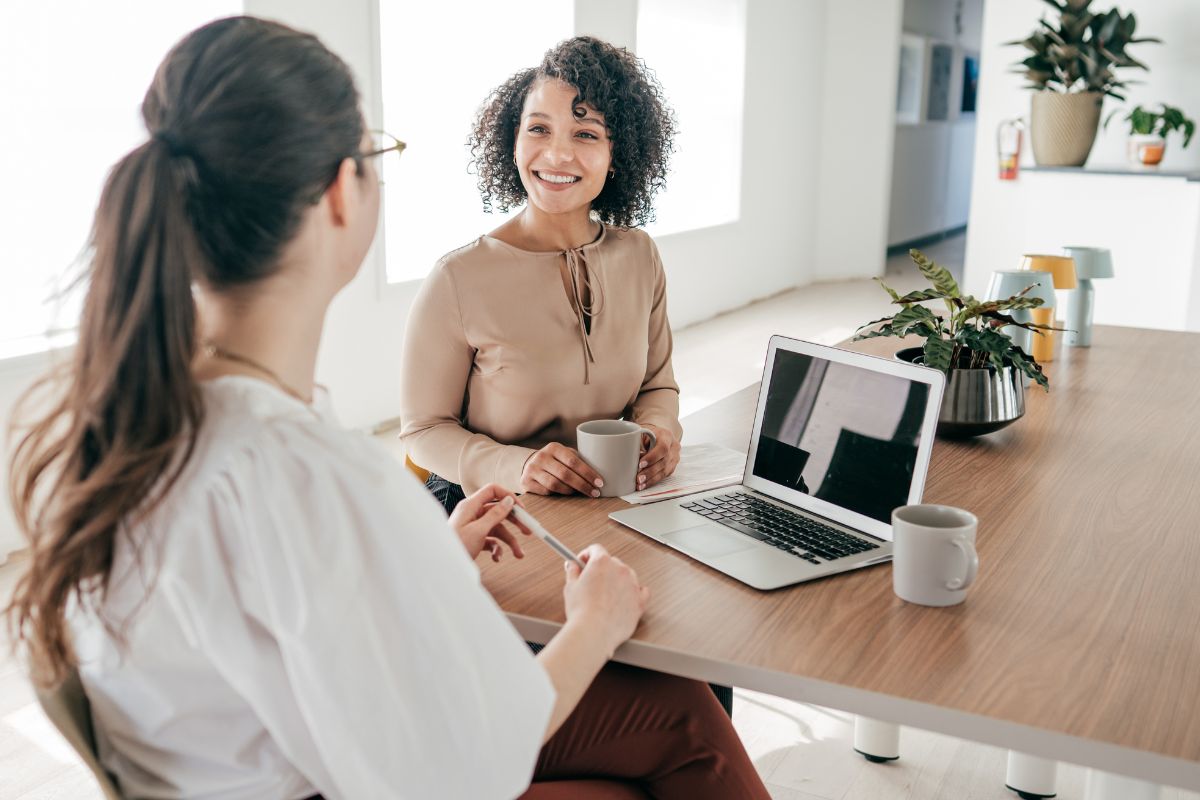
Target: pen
[525,518]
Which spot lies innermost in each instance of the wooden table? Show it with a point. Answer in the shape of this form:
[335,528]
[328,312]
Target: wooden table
[1080,640]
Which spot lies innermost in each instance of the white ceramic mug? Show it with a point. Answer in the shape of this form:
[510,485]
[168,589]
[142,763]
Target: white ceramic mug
[933,554]
[614,448]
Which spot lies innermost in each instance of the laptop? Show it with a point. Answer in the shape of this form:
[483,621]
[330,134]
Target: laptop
[839,440]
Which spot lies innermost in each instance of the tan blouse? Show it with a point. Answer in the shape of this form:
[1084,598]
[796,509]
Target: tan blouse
[507,350]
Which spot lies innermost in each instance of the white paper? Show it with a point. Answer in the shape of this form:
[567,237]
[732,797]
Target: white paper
[701,467]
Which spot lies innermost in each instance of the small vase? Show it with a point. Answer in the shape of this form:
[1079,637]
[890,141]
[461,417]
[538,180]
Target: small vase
[976,401]
[1146,149]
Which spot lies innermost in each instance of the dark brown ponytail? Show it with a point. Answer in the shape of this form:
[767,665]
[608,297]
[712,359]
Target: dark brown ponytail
[249,121]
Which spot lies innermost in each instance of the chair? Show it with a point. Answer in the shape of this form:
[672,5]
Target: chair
[67,707]
[422,474]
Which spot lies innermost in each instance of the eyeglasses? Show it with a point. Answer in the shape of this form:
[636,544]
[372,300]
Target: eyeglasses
[383,142]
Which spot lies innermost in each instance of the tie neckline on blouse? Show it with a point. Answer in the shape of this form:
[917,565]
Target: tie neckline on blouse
[586,294]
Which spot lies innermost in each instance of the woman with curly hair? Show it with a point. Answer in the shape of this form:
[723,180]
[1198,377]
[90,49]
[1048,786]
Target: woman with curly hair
[559,315]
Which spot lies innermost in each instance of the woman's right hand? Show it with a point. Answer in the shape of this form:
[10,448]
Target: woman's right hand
[604,597]
[558,469]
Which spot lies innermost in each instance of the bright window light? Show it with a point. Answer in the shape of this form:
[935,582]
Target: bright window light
[697,49]
[72,75]
[438,65]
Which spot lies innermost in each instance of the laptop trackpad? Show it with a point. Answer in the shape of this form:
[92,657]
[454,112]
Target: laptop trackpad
[705,541]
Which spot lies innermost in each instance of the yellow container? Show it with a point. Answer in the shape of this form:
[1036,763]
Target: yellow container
[1042,347]
[1061,267]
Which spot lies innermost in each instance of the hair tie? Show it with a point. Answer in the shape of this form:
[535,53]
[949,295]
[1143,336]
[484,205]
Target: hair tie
[175,148]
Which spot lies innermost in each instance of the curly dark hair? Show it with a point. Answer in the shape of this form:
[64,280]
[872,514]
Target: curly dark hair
[618,85]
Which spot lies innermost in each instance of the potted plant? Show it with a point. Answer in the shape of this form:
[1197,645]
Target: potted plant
[984,388]
[1072,67]
[1148,132]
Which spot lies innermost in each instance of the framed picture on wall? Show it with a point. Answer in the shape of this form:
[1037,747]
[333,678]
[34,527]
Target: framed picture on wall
[910,93]
[941,64]
[970,88]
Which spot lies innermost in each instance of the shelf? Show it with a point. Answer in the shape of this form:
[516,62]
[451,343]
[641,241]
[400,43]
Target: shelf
[1120,169]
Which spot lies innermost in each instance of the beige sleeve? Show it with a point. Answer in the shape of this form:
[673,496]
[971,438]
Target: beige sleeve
[657,402]
[437,361]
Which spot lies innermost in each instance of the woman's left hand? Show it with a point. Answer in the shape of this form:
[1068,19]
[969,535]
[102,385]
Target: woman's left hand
[659,462]
[479,521]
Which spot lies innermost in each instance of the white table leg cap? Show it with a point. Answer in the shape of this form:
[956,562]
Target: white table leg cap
[876,741]
[1106,786]
[1032,778]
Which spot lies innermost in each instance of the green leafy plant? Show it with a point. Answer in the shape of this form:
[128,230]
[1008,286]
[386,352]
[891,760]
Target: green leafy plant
[1157,123]
[1082,52]
[968,335]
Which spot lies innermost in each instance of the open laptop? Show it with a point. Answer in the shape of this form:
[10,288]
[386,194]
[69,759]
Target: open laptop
[839,440]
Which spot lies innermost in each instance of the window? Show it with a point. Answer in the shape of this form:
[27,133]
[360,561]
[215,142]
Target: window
[72,77]
[438,63]
[697,49]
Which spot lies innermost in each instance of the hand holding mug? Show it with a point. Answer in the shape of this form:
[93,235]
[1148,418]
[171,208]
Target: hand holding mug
[558,469]
[660,460]
[613,448]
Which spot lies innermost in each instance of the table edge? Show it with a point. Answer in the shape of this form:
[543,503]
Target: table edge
[1158,769]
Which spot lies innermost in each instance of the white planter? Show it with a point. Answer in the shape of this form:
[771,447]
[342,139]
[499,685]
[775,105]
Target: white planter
[1146,149]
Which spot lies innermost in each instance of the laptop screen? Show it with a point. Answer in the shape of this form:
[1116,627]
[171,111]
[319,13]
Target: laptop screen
[840,433]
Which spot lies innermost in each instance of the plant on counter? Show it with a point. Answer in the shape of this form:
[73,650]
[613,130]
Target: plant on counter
[1072,66]
[969,335]
[1144,122]
[1081,53]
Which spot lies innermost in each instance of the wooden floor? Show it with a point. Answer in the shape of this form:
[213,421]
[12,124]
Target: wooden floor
[803,752]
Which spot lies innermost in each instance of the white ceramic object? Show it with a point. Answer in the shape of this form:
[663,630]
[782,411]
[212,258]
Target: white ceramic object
[613,447]
[934,559]
[1030,776]
[1145,149]
[876,740]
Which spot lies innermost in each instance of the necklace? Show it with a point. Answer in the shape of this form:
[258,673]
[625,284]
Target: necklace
[215,351]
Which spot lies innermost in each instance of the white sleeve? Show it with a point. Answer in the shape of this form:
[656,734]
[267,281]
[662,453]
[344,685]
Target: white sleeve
[366,643]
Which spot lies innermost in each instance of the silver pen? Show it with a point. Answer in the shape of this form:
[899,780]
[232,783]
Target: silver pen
[525,518]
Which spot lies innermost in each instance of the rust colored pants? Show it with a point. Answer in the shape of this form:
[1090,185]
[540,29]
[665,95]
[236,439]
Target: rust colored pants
[638,734]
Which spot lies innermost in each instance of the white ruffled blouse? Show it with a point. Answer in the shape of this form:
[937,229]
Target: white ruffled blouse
[297,618]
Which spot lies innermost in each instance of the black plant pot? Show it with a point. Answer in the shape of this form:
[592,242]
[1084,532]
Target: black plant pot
[976,401]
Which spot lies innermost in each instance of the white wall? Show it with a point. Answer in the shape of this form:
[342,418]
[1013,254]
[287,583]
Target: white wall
[932,160]
[856,119]
[931,179]
[1150,223]
[935,18]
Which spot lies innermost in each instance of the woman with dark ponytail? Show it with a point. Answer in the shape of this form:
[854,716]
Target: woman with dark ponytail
[257,602]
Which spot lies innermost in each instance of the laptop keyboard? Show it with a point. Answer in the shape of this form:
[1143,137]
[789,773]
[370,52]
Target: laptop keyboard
[793,533]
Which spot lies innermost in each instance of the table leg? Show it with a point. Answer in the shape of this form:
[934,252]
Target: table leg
[1031,777]
[1106,786]
[876,741]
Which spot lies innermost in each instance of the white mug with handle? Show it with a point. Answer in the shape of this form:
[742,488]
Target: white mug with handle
[614,448]
[934,558]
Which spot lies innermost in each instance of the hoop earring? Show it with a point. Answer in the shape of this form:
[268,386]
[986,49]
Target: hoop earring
[611,173]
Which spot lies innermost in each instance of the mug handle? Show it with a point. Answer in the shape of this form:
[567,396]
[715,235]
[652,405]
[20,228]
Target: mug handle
[972,562]
[653,439]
